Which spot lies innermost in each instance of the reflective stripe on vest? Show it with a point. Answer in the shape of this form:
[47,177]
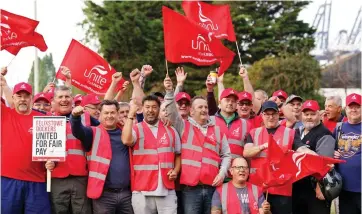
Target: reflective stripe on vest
[97,175]
[286,137]
[243,130]
[188,145]
[74,151]
[256,141]
[95,158]
[224,197]
[142,151]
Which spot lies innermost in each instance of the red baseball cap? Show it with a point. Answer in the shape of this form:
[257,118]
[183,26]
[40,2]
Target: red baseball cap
[280,93]
[182,95]
[310,105]
[353,98]
[77,98]
[90,99]
[23,86]
[229,92]
[42,95]
[245,96]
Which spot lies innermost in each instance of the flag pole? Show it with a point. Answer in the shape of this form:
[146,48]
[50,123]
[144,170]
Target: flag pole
[166,67]
[11,61]
[266,197]
[237,47]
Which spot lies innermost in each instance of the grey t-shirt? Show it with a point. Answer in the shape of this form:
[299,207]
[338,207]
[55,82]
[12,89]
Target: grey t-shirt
[243,196]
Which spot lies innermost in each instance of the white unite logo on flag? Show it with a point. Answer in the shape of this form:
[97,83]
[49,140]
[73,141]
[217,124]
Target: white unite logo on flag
[95,75]
[206,22]
[200,44]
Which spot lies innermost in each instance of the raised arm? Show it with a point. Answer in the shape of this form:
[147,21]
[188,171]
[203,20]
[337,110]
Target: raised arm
[79,131]
[68,75]
[243,73]
[127,137]
[146,70]
[5,89]
[116,77]
[181,78]
[121,91]
[171,109]
[211,101]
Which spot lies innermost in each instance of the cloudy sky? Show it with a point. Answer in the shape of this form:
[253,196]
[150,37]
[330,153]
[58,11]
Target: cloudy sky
[59,18]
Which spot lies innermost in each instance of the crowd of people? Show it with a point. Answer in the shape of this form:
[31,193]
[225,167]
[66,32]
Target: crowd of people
[168,152]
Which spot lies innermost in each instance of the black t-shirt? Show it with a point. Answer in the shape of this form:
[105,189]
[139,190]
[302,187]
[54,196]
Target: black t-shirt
[297,142]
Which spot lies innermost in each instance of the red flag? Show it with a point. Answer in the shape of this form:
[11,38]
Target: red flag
[287,168]
[13,50]
[23,24]
[25,40]
[214,18]
[185,41]
[90,72]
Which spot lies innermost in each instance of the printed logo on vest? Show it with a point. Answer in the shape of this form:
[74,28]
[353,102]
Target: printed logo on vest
[163,139]
[212,137]
[236,132]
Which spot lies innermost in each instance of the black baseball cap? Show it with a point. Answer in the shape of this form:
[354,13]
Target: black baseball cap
[158,94]
[269,105]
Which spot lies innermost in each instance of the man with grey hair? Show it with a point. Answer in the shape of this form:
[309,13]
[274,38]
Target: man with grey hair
[333,112]
[69,178]
[261,96]
[307,195]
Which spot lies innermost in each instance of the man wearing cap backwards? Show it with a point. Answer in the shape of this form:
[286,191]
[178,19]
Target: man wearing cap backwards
[42,102]
[308,198]
[91,102]
[292,112]
[348,137]
[205,153]
[23,188]
[239,196]
[69,178]
[257,141]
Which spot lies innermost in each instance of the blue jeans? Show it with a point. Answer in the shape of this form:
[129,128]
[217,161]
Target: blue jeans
[18,197]
[197,199]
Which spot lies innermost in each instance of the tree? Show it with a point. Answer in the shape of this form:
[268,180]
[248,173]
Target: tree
[130,34]
[46,71]
[296,74]
[268,28]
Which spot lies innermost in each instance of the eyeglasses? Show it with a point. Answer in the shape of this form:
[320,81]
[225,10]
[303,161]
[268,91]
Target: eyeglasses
[181,103]
[244,104]
[42,104]
[240,167]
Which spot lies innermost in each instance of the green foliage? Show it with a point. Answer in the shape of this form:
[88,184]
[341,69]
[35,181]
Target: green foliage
[296,74]
[46,71]
[131,34]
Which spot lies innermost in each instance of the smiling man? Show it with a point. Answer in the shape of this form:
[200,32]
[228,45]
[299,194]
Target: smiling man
[91,102]
[239,196]
[307,196]
[69,178]
[183,104]
[111,191]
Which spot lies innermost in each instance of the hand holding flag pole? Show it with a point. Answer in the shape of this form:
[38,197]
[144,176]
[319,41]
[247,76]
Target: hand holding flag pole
[166,68]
